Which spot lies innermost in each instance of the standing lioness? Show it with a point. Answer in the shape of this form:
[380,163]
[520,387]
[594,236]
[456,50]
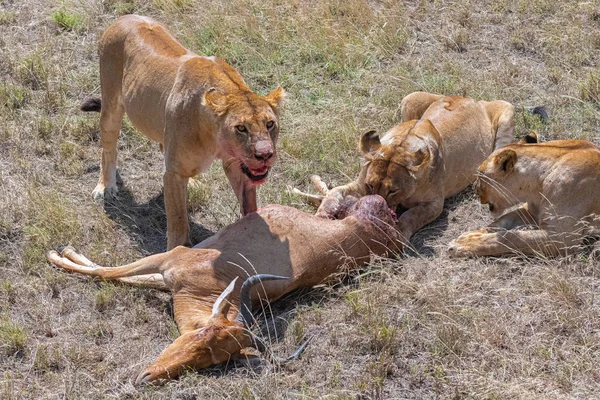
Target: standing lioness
[197,108]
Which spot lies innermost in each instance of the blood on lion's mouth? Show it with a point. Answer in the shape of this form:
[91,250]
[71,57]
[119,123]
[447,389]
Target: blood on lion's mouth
[252,176]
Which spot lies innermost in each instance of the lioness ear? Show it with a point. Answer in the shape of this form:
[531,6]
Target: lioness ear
[506,160]
[275,98]
[420,157]
[531,137]
[216,101]
[369,142]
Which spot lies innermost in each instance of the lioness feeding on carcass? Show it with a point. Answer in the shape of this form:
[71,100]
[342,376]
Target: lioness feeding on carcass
[197,108]
[559,182]
[279,241]
[430,156]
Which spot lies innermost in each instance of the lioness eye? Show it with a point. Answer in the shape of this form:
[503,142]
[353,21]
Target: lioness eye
[241,128]
[270,124]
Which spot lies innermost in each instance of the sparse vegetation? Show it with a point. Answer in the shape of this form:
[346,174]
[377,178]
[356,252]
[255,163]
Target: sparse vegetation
[421,326]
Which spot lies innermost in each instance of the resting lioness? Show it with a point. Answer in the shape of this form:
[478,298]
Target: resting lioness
[197,108]
[559,182]
[432,155]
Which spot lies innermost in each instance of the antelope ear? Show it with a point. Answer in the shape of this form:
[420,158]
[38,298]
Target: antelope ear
[216,101]
[221,306]
[505,161]
[369,142]
[275,98]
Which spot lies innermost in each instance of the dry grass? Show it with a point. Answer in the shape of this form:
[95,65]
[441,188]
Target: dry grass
[423,326]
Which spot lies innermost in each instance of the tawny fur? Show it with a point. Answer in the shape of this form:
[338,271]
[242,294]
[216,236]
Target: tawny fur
[276,240]
[431,155]
[553,188]
[197,108]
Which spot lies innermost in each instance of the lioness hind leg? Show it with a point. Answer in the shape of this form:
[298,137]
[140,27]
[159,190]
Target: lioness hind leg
[502,115]
[71,254]
[414,105]
[529,243]
[112,108]
[110,123]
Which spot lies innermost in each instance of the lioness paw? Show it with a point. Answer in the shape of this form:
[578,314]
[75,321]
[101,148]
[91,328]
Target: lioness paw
[456,250]
[466,244]
[102,193]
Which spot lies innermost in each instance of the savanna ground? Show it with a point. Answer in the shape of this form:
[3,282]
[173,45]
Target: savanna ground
[422,326]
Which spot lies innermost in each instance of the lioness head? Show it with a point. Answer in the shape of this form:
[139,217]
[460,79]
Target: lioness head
[494,181]
[396,165]
[249,128]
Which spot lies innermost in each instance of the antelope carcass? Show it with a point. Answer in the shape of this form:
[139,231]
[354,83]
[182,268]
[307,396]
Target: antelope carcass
[275,250]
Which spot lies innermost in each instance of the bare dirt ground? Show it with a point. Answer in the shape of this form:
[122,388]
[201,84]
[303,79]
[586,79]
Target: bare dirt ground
[423,326]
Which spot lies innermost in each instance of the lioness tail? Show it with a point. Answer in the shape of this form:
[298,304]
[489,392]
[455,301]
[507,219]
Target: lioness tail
[92,104]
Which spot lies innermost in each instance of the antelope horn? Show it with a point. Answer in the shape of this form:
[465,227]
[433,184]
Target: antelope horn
[222,304]
[245,316]
[263,348]
[245,313]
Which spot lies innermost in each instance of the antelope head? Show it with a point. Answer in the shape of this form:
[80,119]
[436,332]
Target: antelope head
[214,343]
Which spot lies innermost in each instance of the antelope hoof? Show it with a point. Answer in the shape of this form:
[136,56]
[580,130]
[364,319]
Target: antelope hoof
[52,255]
[142,379]
[63,250]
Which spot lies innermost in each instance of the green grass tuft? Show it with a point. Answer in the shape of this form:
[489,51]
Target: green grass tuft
[67,21]
[12,338]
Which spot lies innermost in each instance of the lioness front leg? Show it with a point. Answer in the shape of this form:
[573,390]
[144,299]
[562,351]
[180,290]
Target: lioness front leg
[417,217]
[521,216]
[533,242]
[244,189]
[178,229]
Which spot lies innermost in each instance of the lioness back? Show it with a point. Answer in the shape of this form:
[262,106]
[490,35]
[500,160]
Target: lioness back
[467,135]
[572,170]
[551,187]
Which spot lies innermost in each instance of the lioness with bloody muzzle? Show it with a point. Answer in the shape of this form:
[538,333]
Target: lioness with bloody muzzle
[197,108]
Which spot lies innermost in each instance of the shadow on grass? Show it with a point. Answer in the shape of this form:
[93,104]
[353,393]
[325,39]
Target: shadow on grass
[146,223]
[422,240]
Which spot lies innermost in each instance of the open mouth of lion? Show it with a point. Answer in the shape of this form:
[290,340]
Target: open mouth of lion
[257,176]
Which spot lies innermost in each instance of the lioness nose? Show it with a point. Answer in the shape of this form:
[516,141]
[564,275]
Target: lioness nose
[264,156]
[373,188]
[263,151]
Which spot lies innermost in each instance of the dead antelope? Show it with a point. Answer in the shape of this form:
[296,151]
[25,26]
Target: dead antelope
[279,247]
